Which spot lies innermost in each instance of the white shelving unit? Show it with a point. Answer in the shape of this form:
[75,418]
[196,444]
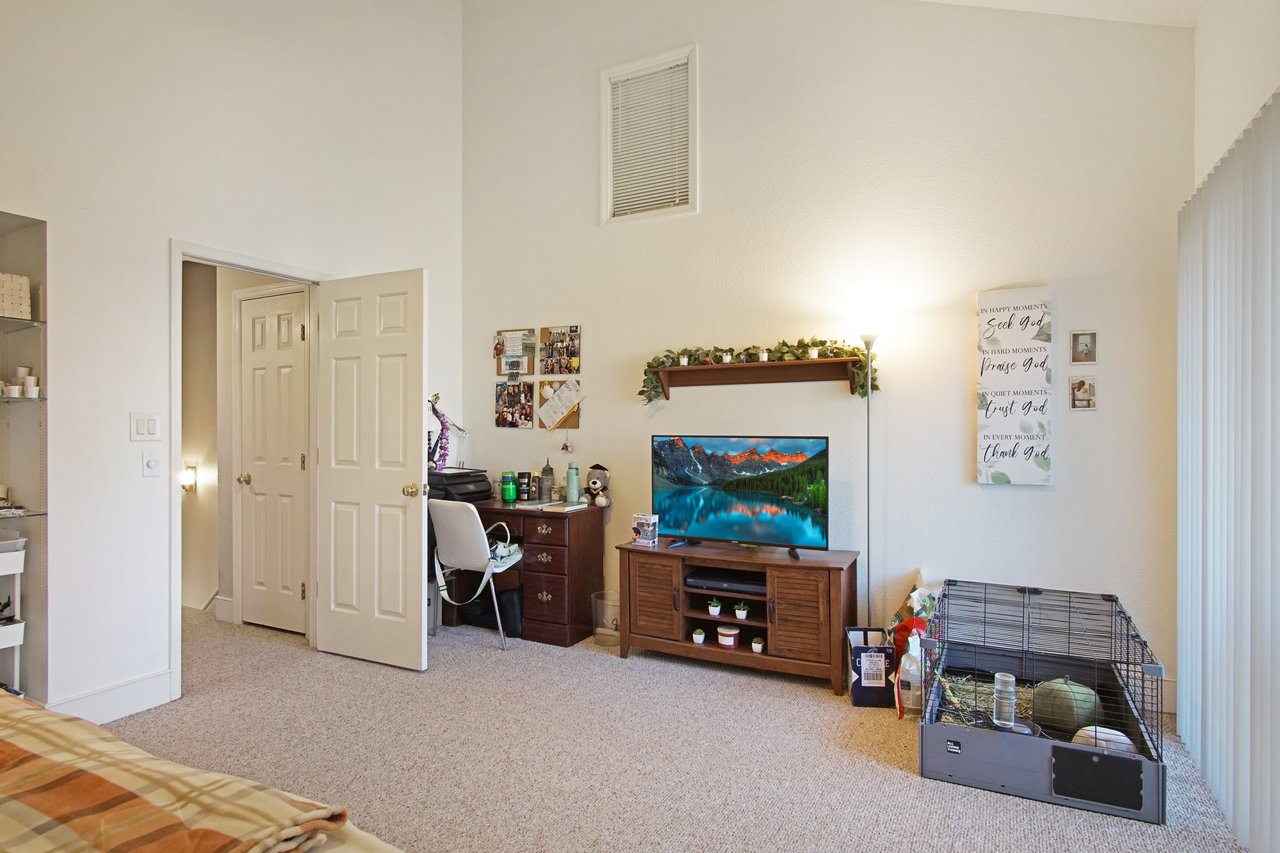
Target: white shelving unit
[12,628]
[23,466]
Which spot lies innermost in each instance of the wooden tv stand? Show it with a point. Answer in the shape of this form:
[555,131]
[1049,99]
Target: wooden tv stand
[802,615]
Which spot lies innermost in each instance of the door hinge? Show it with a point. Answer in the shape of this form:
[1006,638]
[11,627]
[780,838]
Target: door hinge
[302,327]
[304,590]
[304,461]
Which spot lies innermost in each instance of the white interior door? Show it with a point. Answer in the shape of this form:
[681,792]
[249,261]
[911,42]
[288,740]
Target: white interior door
[371,601]
[271,478]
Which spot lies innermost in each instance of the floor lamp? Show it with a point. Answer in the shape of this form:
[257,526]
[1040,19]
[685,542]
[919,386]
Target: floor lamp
[868,341]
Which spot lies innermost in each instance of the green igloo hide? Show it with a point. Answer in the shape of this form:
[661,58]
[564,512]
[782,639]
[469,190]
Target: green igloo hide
[1064,706]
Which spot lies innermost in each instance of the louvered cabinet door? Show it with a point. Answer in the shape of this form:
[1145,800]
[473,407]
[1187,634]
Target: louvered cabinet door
[799,614]
[655,597]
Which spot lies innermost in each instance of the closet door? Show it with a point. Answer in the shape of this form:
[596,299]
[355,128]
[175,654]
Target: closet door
[271,476]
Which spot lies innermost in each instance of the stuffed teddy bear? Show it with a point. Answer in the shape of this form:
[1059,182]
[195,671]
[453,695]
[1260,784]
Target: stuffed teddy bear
[597,490]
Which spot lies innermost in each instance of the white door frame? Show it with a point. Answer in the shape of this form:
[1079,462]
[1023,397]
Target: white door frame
[180,251]
[238,297]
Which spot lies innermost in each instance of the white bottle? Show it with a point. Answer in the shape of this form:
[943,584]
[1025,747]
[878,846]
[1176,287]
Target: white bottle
[909,677]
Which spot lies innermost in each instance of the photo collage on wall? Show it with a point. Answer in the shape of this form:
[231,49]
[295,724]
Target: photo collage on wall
[1084,389]
[553,351]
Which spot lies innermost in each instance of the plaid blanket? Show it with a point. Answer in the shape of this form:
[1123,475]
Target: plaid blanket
[66,784]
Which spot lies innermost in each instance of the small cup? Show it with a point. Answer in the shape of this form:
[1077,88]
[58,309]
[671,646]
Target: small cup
[33,392]
[13,390]
[24,371]
[28,382]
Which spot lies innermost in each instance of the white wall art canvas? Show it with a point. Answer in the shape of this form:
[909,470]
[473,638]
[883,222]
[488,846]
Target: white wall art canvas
[1015,387]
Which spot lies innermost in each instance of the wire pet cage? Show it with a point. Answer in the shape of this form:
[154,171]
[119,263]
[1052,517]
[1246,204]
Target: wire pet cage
[1094,744]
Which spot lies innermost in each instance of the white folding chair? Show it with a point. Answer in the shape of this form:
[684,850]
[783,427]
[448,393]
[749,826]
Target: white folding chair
[462,544]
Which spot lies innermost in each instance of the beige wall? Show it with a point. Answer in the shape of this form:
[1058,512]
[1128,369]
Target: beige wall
[313,133]
[200,549]
[1237,69]
[865,165]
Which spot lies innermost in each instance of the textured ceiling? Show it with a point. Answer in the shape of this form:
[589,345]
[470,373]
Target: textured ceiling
[1172,13]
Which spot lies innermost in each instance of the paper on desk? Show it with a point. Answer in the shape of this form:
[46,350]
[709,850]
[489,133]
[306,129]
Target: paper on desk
[561,404]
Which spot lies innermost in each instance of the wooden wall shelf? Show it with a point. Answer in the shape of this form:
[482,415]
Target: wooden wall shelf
[758,372]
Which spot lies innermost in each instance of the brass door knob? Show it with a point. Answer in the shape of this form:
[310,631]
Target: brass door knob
[245,479]
[411,490]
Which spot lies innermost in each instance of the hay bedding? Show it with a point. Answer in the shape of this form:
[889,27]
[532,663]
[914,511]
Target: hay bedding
[969,702]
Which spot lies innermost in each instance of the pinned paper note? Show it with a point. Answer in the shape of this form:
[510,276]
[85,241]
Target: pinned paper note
[556,412]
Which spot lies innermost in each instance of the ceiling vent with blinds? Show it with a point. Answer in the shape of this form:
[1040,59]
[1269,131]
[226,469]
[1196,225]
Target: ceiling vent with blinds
[649,136]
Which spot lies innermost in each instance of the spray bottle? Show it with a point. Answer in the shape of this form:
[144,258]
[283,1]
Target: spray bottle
[910,688]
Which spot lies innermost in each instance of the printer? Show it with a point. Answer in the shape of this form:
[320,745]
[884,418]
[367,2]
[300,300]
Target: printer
[459,484]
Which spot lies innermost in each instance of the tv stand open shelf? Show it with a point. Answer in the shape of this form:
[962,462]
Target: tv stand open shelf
[801,617]
[758,372]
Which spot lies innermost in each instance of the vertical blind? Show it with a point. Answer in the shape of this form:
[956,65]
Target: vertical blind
[1228,450]
[649,140]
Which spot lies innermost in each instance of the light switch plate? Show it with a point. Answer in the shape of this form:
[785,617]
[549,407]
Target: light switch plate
[144,426]
[150,463]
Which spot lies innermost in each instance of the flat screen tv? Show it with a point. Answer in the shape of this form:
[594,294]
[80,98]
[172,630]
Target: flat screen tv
[752,491]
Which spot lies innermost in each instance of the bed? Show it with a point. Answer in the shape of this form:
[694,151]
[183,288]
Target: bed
[67,784]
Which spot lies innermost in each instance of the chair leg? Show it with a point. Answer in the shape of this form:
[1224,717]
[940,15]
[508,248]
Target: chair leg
[502,635]
[433,602]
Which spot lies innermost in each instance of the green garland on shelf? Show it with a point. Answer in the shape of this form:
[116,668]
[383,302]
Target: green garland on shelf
[651,388]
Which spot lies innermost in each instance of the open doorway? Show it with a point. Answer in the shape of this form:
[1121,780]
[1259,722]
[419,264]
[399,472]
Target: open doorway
[245,433]
[368,409]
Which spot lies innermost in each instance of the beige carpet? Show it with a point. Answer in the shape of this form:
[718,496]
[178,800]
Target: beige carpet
[541,748]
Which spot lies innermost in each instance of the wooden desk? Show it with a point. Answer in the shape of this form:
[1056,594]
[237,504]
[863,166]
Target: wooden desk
[801,616]
[563,564]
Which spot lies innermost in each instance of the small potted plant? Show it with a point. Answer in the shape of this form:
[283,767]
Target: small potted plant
[723,355]
[699,635]
[740,610]
[757,644]
[713,607]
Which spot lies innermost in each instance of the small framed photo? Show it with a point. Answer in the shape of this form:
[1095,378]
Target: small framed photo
[1084,393]
[1084,347]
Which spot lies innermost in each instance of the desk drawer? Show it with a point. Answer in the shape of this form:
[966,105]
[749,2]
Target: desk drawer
[545,596]
[546,558]
[546,531]
[512,521]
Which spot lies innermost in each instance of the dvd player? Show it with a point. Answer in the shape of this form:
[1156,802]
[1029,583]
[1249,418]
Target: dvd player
[727,580]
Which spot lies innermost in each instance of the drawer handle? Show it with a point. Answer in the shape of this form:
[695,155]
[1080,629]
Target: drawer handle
[544,529]
[773,613]
[544,557]
[544,596]
[675,598]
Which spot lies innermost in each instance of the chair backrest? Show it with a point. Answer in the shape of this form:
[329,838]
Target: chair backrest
[461,542]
